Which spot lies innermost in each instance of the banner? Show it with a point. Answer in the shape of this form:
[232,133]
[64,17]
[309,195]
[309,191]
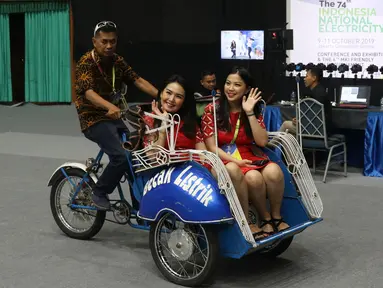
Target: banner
[340,32]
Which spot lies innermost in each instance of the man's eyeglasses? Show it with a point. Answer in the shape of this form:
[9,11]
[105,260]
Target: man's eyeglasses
[104,24]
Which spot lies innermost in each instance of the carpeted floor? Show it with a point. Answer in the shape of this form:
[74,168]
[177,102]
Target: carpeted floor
[342,251]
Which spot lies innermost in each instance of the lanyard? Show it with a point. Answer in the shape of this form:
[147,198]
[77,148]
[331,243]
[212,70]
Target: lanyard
[236,129]
[102,72]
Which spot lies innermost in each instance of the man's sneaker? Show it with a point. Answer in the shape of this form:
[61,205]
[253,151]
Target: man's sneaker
[101,202]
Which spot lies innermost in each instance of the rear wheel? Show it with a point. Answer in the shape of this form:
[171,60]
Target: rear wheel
[76,223]
[186,254]
[277,248]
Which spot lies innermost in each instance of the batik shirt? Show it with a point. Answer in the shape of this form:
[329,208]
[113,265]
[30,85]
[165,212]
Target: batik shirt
[89,77]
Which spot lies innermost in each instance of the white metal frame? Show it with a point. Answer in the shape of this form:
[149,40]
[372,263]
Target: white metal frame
[297,111]
[300,171]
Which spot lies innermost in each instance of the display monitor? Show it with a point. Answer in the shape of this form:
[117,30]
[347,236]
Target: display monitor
[242,44]
[355,94]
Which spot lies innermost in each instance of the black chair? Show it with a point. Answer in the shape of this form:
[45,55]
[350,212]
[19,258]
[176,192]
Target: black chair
[312,134]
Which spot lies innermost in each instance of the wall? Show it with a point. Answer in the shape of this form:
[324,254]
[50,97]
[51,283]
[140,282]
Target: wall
[179,36]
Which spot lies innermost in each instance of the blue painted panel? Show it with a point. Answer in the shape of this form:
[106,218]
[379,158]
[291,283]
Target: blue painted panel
[189,190]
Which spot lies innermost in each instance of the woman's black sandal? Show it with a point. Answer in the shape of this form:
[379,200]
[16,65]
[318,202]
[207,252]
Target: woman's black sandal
[257,235]
[267,222]
[277,222]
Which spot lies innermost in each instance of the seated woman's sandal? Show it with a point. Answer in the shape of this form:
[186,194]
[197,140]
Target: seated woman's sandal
[277,223]
[268,222]
[257,235]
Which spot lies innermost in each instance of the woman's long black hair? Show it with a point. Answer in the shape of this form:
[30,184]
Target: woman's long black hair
[223,119]
[187,112]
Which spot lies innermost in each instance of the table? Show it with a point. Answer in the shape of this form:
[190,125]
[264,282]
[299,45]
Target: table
[342,118]
[363,129]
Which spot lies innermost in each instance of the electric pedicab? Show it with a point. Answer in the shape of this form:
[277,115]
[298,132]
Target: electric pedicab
[193,218]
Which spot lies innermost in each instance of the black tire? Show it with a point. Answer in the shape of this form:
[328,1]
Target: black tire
[277,249]
[206,275]
[99,218]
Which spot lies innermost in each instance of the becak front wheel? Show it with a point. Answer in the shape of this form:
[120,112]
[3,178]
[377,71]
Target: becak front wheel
[186,254]
[80,224]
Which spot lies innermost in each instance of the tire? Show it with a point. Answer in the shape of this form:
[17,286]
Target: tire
[205,276]
[99,217]
[277,249]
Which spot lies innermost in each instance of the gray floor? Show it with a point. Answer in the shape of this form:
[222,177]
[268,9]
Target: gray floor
[342,251]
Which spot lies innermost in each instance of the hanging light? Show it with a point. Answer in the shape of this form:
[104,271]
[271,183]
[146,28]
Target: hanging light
[300,67]
[321,66]
[290,68]
[372,69]
[310,66]
[355,69]
[343,68]
[331,68]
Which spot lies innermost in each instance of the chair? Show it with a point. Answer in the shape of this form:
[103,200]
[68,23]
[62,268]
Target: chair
[312,134]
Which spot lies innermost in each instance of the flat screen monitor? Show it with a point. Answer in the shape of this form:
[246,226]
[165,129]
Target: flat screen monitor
[243,44]
[355,94]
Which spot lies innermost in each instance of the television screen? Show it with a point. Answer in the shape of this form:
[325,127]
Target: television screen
[242,44]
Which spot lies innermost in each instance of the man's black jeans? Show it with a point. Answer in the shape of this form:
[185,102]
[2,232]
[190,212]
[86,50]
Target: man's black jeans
[107,134]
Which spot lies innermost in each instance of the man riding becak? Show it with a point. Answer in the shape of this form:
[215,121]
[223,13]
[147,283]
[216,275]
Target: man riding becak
[100,74]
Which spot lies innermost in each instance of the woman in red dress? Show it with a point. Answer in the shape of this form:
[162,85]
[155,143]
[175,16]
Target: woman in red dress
[176,99]
[240,130]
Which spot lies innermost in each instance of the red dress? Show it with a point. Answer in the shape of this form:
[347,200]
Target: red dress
[242,142]
[182,141]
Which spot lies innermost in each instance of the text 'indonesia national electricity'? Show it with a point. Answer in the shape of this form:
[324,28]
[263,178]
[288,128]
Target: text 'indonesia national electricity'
[348,20]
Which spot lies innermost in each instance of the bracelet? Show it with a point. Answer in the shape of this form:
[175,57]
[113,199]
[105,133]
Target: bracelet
[248,115]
